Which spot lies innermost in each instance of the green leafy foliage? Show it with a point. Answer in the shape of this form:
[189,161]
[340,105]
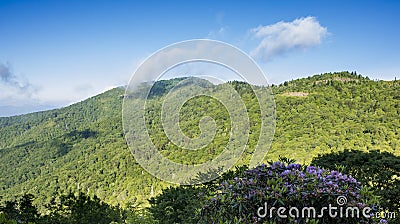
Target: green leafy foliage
[72,149]
[66,209]
[176,205]
[81,208]
[22,211]
[341,111]
[378,170]
[81,148]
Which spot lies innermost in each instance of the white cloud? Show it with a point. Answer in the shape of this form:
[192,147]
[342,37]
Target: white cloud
[281,37]
[198,50]
[14,90]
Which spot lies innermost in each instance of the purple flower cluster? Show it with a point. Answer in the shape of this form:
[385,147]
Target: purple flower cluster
[290,186]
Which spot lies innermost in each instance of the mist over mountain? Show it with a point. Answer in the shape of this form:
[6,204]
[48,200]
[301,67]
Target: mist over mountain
[10,110]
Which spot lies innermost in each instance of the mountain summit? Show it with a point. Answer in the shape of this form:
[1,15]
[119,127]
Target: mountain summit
[82,147]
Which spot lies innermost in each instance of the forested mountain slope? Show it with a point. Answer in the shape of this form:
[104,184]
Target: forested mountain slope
[82,147]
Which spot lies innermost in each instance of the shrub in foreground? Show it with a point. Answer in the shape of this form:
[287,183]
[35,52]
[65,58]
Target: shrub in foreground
[295,192]
[378,170]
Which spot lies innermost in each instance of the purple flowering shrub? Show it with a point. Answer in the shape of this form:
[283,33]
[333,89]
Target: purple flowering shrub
[290,194]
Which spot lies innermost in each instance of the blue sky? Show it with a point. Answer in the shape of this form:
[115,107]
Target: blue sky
[54,53]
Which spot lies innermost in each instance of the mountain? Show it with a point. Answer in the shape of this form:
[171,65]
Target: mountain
[82,147]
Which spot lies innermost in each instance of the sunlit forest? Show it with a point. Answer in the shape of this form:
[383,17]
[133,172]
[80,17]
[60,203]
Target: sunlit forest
[72,165]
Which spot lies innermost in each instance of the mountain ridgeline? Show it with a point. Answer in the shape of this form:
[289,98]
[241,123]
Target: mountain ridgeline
[82,147]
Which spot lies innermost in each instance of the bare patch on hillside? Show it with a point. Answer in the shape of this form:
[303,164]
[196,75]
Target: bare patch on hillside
[298,94]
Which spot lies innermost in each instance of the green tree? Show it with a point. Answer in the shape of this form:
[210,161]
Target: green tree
[378,170]
[176,205]
[27,211]
[83,209]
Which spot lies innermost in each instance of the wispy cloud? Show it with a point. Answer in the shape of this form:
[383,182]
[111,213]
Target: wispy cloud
[282,37]
[13,88]
[215,34]
[222,30]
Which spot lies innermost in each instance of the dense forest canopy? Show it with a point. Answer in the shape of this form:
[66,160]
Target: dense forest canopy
[82,147]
